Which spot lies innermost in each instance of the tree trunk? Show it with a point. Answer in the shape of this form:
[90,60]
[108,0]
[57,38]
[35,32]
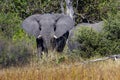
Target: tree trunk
[62,7]
[69,8]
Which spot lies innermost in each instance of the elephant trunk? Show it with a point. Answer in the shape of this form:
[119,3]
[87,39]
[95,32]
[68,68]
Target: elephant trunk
[47,42]
[47,34]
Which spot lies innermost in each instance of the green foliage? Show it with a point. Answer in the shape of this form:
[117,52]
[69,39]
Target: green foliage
[105,43]
[25,8]
[112,26]
[21,36]
[9,24]
[95,10]
[60,59]
[89,40]
[16,46]
[10,28]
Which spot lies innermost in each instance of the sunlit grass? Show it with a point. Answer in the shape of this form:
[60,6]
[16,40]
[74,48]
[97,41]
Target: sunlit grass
[105,70]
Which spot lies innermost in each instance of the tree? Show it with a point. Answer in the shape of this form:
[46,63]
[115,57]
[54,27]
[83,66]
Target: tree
[69,8]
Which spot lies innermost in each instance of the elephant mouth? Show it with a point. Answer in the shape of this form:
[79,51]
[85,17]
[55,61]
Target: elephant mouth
[47,44]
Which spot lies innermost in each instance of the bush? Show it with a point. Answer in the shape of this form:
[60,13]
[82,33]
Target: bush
[16,47]
[25,8]
[89,40]
[112,26]
[14,43]
[105,43]
[14,54]
[9,24]
[94,10]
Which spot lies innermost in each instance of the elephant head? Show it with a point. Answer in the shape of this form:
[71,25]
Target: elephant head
[46,27]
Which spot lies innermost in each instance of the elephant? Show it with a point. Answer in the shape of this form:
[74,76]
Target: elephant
[95,26]
[50,30]
[73,44]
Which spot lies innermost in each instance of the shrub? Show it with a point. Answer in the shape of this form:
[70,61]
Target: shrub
[89,40]
[104,43]
[112,26]
[112,32]
[25,8]
[9,24]
[16,47]
[91,9]
[12,53]
[94,10]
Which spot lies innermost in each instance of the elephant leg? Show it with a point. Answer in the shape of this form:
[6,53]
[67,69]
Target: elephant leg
[53,43]
[39,47]
[61,42]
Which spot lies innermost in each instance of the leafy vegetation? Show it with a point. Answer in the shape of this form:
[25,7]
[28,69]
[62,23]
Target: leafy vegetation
[14,49]
[9,24]
[14,54]
[24,8]
[104,43]
[94,10]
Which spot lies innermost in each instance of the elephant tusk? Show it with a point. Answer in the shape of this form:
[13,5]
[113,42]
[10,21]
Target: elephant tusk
[39,36]
[55,36]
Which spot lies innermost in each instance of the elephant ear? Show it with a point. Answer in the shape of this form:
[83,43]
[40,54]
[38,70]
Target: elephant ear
[64,24]
[31,25]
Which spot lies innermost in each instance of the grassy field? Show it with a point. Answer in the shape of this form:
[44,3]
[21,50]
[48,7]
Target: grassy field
[105,70]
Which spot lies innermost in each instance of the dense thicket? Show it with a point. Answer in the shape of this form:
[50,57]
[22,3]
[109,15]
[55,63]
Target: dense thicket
[91,9]
[14,41]
[104,43]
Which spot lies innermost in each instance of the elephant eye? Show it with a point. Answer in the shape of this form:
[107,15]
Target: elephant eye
[40,28]
[54,28]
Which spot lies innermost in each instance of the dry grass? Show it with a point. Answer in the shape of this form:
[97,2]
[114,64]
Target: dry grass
[107,70]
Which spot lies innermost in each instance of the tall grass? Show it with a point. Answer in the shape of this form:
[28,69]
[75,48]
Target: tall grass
[108,70]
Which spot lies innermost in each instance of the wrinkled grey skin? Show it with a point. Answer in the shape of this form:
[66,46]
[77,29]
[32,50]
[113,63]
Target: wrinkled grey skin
[72,44]
[51,30]
[96,26]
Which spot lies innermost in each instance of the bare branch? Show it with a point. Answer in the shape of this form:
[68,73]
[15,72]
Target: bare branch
[77,4]
[113,57]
